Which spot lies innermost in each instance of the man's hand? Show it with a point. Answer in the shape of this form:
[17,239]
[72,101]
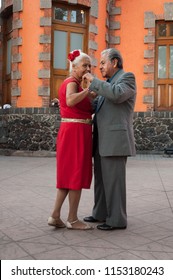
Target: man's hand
[89,77]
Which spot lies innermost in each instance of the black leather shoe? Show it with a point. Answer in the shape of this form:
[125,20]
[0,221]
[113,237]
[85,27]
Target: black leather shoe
[90,219]
[107,227]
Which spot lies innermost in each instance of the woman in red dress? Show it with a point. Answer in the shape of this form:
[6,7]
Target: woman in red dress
[74,142]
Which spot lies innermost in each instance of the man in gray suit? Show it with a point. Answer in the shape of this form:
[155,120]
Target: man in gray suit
[113,140]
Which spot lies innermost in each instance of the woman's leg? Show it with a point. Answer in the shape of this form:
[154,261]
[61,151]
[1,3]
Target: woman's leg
[60,197]
[55,219]
[74,199]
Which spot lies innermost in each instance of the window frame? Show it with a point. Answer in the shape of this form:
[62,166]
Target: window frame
[163,102]
[69,27]
[70,8]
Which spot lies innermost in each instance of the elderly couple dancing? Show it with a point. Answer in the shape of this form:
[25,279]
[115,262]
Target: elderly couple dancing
[110,142]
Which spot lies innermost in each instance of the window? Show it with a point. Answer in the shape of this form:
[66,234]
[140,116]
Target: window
[61,42]
[70,15]
[164,66]
[69,32]
[8,58]
[7,61]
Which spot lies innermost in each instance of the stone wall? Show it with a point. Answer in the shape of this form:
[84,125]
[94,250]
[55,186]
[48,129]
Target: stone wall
[29,129]
[153,131]
[35,129]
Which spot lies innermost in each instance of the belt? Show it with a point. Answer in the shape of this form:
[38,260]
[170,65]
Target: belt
[86,121]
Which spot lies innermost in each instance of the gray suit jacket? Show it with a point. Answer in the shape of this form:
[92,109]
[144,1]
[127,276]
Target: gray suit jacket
[114,118]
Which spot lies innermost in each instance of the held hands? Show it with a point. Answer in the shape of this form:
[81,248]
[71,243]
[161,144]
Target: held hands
[88,77]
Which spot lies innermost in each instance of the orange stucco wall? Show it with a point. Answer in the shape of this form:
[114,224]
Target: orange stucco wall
[132,46]
[30,55]
[132,34]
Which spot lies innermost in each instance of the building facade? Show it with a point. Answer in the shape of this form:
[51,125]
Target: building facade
[36,37]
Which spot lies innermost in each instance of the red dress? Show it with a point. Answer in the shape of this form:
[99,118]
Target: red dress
[74,143]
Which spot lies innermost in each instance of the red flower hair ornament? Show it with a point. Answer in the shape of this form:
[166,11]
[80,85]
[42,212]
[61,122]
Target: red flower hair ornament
[73,55]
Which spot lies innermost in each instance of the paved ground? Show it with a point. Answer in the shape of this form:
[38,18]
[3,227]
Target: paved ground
[27,192]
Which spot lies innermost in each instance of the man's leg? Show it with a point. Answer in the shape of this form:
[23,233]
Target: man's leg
[114,178]
[99,209]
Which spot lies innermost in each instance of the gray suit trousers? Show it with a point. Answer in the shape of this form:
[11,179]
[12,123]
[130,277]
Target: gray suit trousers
[110,189]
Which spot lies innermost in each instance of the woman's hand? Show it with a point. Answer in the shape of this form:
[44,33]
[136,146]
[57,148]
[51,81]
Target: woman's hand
[55,102]
[92,94]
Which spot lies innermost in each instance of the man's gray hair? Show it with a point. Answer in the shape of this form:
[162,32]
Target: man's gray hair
[112,54]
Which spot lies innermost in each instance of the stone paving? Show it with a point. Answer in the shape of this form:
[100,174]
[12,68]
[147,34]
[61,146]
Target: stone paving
[27,194]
